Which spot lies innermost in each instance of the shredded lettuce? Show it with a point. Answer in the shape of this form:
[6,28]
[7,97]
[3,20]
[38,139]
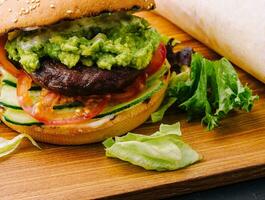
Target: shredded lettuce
[161,151]
[210,91]
[9,146]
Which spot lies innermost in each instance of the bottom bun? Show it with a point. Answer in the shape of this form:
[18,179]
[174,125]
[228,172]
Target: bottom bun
[96,131]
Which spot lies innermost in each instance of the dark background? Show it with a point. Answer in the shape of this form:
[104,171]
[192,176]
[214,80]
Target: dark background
[241,191]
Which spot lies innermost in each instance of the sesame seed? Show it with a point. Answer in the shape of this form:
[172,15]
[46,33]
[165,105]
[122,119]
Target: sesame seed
[52,6]
[15,20]
[150,6]
[69,11]
[28,2]
[31,8]
[9,10]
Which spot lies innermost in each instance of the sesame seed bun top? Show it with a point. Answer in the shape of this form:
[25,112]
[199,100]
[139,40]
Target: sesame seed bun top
[17,14]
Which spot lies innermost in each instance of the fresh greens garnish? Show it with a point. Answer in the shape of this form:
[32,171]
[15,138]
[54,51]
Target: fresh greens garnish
[9,146]
[210,89]
[161,151]
[158,116]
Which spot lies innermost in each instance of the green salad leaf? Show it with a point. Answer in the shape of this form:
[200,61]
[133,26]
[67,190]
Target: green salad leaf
[158,116]
[161,151]
[210,90]
[9,146]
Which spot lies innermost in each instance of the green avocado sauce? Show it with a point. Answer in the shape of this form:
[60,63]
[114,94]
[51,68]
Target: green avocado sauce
[118,39]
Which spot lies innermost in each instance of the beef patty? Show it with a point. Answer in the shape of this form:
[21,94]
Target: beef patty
[82,80]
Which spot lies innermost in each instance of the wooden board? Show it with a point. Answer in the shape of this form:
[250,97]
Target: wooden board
[232,153]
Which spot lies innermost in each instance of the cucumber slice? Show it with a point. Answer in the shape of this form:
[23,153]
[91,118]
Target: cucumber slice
[10,80]
[6,77]
[161,72]
[14,114]
[145,95]
[9,98]
[153,84]
[19,117]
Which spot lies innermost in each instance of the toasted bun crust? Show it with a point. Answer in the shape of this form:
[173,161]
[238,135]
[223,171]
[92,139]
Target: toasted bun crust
[16,14]
[83,134]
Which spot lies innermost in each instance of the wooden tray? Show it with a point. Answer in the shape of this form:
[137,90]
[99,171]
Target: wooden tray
[232,153]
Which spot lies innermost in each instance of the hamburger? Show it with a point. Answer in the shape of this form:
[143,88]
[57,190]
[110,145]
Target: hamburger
[77,72]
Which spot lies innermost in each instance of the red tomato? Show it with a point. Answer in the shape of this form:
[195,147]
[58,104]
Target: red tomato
[43,110]
[156,62]
[7,65]
[158,59]
[131,91]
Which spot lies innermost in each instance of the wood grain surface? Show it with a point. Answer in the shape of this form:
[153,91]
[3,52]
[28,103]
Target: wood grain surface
[233,152]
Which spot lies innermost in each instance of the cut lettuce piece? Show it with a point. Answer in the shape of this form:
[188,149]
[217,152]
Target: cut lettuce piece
[9,146]
[162,151]
[166,129]
[159,114]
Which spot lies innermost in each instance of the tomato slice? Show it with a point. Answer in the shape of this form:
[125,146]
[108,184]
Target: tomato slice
[43,110]
[158,59]
[155,64]
[131,91]
[7,65]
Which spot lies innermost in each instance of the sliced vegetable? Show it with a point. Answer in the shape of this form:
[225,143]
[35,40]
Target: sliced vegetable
[157,62]
[144,95]
[131,92]
[162,151]
[158,74]
[9,146]
[43,110]
[19,117]
[158,59]
[4,60]
[153,84]
[7,77]
[10,80]
[9,98]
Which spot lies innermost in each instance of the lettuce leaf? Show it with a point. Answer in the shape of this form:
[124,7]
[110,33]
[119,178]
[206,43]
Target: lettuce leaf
[179,84]
[161,151]
[158,115]
[9,146]
[210,92]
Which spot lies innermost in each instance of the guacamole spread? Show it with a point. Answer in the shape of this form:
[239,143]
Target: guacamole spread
[108,40]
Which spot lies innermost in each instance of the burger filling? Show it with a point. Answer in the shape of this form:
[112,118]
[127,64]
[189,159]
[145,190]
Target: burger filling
[101,62]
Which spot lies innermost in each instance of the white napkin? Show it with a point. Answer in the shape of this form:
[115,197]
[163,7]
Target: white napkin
[233,28]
